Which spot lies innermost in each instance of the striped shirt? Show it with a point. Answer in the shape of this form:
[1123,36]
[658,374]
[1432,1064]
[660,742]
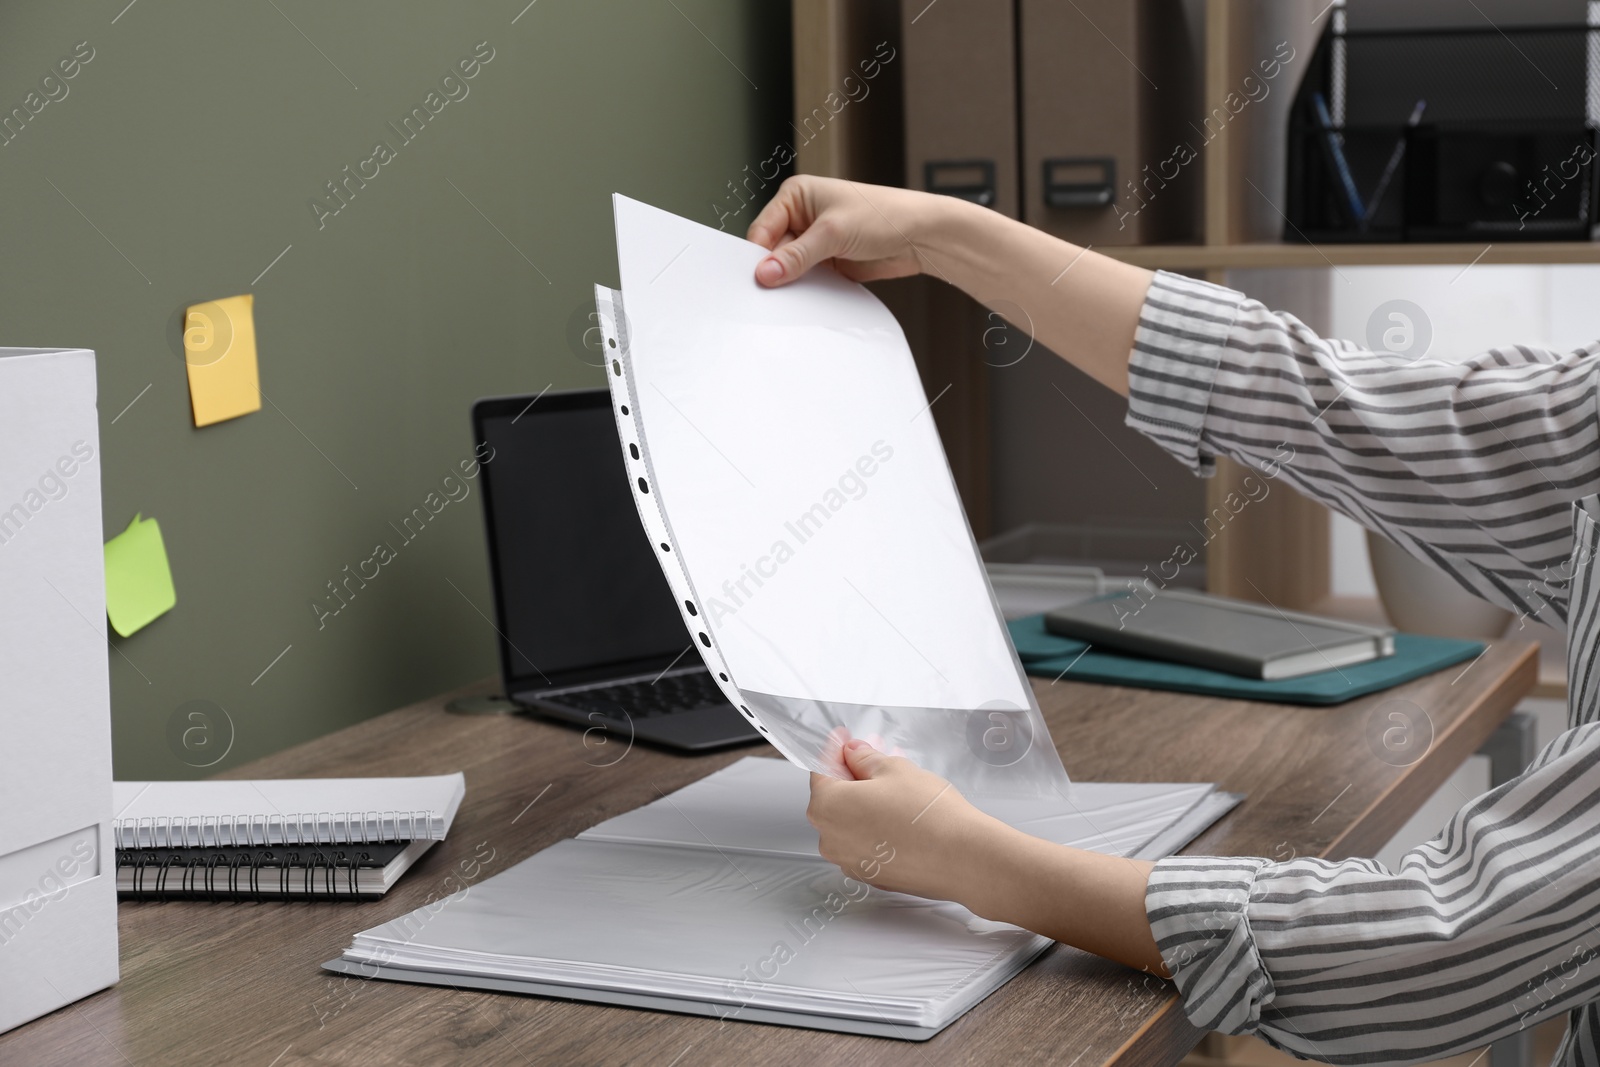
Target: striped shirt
[1487,469]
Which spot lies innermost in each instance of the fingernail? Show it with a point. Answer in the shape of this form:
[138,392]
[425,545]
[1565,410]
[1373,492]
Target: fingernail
[769,270]
[856,744]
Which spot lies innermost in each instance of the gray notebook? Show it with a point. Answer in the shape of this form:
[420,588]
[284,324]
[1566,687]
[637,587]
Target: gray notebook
[714,901]
[1219,633]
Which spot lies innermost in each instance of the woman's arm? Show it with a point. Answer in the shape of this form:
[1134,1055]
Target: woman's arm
[1486,929]
[1081,305]
[1471,466]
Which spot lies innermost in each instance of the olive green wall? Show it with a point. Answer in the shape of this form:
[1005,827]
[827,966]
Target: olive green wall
[182,160]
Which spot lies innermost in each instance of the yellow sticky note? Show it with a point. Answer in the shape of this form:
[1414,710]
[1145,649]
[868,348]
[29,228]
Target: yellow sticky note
[138,579]
[219,346]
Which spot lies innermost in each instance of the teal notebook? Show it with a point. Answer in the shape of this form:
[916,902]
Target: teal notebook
[1043,653]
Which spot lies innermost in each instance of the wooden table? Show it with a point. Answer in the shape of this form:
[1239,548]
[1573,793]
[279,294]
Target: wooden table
[241,984]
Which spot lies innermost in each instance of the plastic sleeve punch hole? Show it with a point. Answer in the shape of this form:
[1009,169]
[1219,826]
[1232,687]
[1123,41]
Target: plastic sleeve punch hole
[628,426]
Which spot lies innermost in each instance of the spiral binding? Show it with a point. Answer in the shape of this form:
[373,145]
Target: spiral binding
[268,875]
[263,831]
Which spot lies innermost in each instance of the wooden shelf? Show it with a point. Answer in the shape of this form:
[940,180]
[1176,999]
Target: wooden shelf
[1280,551]
[1272,255]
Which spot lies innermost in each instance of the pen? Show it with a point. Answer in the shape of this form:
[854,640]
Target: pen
[1393,164]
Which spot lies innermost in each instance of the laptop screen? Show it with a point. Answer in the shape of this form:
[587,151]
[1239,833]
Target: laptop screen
[578,593]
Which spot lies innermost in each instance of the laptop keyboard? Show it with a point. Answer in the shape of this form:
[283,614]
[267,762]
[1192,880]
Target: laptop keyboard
[642,699]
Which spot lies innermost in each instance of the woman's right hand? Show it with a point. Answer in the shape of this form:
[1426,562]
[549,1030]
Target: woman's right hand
[865,232]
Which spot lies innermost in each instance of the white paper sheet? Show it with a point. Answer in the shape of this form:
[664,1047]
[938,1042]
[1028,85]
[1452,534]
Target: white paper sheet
[785,462]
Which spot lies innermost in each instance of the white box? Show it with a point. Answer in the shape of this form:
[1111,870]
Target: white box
[58,898]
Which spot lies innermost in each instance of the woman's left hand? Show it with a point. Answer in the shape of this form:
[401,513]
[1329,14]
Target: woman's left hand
[899,827]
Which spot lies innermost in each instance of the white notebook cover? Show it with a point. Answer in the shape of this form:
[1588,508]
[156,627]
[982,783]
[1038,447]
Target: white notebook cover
[787,469]
[285,811]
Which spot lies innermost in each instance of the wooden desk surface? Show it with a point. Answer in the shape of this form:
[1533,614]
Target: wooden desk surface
[241,984]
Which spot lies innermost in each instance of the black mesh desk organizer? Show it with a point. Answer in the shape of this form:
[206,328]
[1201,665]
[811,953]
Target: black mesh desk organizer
[1485,134]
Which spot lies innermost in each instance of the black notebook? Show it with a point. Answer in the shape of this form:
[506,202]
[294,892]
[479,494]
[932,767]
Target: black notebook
[1253,640]
[361,872]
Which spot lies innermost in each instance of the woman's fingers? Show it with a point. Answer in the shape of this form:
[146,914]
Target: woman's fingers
[798,232]
[864,761]
[783,215]
[821,241]
[823,220]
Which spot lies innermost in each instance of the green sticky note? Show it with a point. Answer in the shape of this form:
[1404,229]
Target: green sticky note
[138,579]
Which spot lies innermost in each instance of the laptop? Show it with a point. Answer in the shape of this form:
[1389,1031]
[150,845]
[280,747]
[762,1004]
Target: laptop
[589,631]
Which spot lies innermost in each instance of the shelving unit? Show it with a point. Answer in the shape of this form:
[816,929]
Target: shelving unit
[1269,255]
[1278,551]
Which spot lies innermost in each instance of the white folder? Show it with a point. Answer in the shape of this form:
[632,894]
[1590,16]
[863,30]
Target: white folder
[713,900]
[58,902]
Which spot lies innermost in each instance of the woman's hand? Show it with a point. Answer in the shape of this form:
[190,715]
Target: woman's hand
[899,827]
[1077,303]
[866,232]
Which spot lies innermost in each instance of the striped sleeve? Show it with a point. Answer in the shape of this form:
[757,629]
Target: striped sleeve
[1470,466]
[1486,929]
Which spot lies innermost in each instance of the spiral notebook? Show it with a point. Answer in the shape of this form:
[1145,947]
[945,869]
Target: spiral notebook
[714,901]
[277,839]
